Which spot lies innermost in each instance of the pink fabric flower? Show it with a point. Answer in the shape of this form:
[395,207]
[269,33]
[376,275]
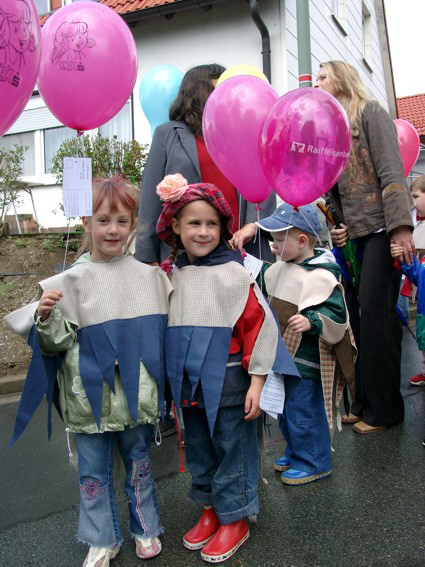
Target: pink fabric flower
[167,266]
[171,188]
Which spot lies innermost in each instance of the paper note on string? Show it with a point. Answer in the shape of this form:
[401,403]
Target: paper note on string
[77,186]
[272,397]
[253,265]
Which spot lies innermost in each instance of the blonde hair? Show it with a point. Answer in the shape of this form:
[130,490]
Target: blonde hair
[351,93]
[297,232]
[418,184]
[116,190]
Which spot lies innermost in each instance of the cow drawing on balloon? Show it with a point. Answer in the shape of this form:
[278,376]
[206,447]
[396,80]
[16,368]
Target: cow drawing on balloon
[16,38]
[71,41]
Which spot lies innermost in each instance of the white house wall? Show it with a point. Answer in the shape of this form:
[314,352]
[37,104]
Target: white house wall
[227,35]
[329,42]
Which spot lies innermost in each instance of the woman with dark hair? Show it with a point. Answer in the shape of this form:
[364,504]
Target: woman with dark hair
[373,202]
[178,147]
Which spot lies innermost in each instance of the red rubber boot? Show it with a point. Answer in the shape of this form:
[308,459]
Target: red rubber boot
[226,541]
[203,531]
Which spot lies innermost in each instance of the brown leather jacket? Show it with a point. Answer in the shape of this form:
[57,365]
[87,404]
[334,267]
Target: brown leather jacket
[372,193]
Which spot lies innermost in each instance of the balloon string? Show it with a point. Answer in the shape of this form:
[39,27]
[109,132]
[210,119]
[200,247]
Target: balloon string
[258,209]
[272,290]
[66,247]
[307,221]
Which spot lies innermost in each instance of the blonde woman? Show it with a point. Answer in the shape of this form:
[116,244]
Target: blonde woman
[373,202]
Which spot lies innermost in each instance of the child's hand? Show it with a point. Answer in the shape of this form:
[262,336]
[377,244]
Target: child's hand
[397,252]
[299,324]
[252,400]
[47,301]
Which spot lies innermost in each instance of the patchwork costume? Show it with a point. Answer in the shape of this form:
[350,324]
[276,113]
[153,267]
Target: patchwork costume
[324,355]
[220,331]
[101,361]
[209,301]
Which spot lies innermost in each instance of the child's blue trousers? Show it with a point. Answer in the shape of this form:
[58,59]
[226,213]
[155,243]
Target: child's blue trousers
[98,521]
[305,429]
[224,467]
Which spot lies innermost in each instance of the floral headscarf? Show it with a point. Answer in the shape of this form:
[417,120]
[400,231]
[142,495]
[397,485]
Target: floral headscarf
[176,193]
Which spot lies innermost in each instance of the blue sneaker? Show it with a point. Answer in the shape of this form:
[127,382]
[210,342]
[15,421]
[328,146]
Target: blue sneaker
[292,476]
[282,464]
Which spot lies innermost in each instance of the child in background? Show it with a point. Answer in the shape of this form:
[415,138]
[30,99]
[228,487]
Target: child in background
[221,342]
[415,271]
[106,318]
[309,303]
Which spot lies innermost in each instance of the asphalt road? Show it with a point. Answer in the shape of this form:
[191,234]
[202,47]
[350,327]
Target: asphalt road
[369,513]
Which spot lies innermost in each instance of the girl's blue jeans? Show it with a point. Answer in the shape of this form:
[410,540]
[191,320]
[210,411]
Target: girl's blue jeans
[224,467]
[305,429]
[98,522]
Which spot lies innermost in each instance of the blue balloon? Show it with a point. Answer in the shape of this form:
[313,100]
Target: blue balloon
[158,90]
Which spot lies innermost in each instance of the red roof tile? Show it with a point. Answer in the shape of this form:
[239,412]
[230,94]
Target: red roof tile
[412,108]
[126,6]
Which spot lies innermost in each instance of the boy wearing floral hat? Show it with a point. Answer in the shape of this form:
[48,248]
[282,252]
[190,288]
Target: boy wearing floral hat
[309,302]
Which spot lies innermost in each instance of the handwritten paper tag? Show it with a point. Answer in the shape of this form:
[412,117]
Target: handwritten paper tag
[77,186]
[253,265]
[272,397]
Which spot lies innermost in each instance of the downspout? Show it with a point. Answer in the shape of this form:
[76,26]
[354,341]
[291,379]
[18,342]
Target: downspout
[305,77]
[265,38]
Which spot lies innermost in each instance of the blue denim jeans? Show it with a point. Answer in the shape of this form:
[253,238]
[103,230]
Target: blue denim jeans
[98,522]
[305,429]
[224,468]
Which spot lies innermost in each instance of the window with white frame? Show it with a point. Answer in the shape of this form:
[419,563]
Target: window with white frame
[53,137]
[42,6]
[25,139]
[46,6]
[120,127]
[367,34]
[339,13]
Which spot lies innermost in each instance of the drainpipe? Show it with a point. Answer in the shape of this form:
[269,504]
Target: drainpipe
[305,77]
[265,37]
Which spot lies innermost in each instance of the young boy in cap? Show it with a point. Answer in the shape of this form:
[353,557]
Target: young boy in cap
[309,303]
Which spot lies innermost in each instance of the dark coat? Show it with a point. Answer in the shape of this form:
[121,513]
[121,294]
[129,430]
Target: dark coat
[173,150]
[372,193]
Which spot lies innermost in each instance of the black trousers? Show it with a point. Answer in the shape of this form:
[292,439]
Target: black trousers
[378,333]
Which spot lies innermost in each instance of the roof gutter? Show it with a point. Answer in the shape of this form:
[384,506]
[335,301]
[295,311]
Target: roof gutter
[265,39]
[169,10]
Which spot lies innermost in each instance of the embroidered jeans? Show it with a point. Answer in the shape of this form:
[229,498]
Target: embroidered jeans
[98,521]
[224,468]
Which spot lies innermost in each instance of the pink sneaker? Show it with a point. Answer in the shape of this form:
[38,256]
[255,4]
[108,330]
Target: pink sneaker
[418,380]
[100,556]
[149,547]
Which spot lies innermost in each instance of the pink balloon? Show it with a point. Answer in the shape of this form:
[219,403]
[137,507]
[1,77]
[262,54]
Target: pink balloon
[410,144]
[232,122]
[19,58]
[88,66]
[305,145]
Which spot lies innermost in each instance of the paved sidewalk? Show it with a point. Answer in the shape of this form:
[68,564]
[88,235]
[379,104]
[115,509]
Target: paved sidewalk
[370,513]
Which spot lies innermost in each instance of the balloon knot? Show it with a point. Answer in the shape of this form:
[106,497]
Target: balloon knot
[296,209]
[80,133]
[257,207]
